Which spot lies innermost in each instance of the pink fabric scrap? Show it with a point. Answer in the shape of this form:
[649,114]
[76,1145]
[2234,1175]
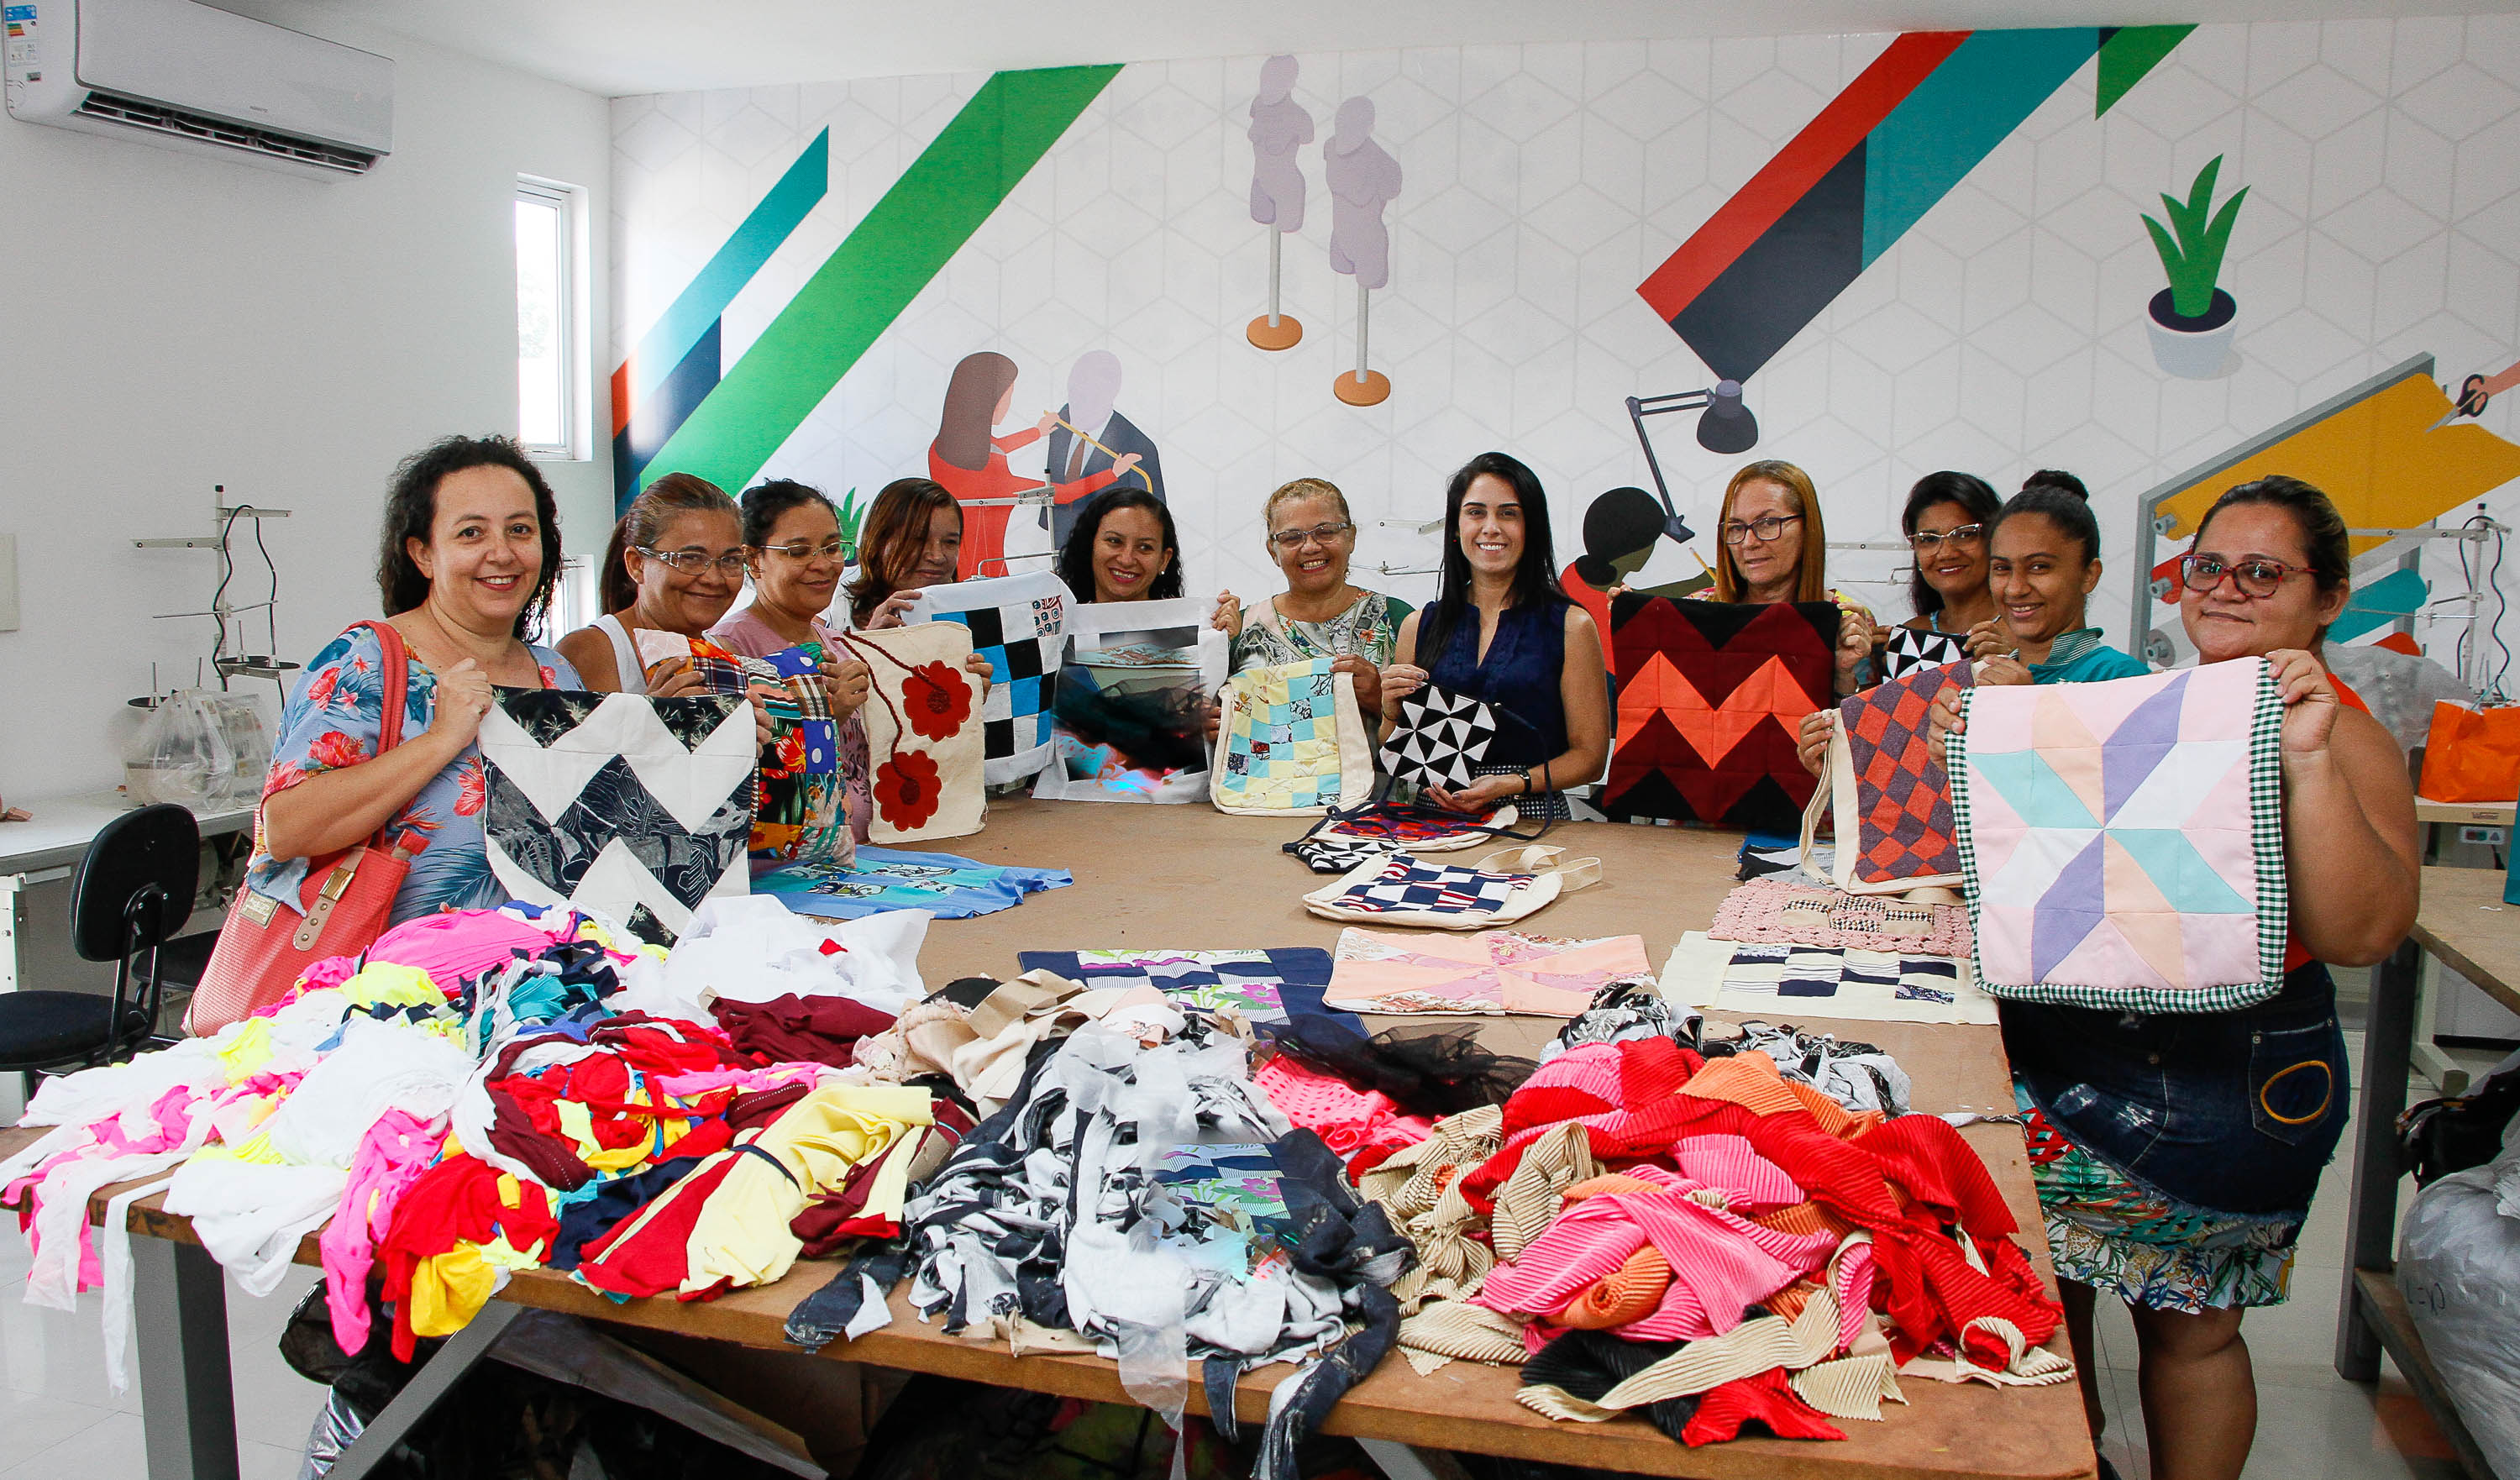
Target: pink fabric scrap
[1348,1119]
[393,1154]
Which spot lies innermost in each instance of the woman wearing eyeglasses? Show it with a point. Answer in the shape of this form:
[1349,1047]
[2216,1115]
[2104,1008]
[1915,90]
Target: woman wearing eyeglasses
[2175,1155]
[1945,520]
[1776,550]
[675,564]
[1312,537]
[796,554]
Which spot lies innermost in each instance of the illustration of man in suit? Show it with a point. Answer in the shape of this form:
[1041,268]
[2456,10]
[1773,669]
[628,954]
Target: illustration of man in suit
[1093,389]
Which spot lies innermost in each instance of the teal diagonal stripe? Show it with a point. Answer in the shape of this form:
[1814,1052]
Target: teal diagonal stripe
[715,286]
[2024,780]
[2185,879]
[871,277]
[1948,122]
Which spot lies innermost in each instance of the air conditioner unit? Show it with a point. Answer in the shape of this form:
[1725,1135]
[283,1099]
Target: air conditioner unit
[174,72]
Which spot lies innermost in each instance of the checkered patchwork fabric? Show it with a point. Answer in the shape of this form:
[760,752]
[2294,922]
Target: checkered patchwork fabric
[1439,738]
[1282,746]
[1808,977]
[1264,986]
[1404,883]
[1909,649]
[1901,828]
[1020,624]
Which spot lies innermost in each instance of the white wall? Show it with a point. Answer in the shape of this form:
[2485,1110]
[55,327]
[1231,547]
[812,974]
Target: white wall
[174,322]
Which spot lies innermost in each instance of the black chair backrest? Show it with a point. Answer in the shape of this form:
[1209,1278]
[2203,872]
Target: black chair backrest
[157,845]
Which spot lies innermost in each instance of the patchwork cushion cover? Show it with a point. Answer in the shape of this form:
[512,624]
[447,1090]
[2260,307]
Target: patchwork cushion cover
[1491,971]
[2123,841]
[1290,740]
[1909,648]
[637,808]
[1018,623]
[1441,739]
[1900,827]
[1711,696]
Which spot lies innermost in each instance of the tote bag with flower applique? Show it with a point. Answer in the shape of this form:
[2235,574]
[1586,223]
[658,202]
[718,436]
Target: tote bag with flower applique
[925,747]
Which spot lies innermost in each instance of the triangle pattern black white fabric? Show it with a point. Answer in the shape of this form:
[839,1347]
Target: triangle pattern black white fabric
[630,806]
[1438,740]
[1909,649]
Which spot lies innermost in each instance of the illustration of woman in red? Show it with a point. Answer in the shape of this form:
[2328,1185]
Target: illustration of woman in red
[969,459]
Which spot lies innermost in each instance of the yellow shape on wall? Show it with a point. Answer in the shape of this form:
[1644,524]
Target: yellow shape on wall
[2376,459]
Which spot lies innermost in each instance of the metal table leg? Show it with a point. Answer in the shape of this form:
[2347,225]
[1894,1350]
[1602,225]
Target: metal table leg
[2371,1209]
[187,1399]
[431,1383]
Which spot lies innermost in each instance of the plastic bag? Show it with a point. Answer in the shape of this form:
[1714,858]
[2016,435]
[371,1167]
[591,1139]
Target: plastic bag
[180,754]
[2458,1265]
[237,720]
[338,1425]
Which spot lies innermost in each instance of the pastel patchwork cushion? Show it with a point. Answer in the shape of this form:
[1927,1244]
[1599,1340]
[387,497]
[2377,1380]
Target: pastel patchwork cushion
[1290,740]
[1711,696]
[2122,841]
[1901,828]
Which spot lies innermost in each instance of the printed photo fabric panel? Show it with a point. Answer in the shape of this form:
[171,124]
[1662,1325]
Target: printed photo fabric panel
[1129,723]
[1290,740]
[1440,738]
[1711,696]
[1894,821]
[2123,841]
[636,808]
[879,879]
[1018,623]
[1909,649]
[1776,982]
[1491,971]
[924,732]
[1264,986]
[801,810]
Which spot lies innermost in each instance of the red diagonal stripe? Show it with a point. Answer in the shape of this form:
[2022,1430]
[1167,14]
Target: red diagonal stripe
[1796,168]
[620,397]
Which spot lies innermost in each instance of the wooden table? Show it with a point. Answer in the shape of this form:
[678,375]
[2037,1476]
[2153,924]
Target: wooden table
[2465,925]
[1187,877]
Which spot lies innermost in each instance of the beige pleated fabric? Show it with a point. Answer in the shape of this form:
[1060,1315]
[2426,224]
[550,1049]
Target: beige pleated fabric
[1753,1347]
[2026,1366]
[1531,1199]
[1850,1387]
[1471,1333]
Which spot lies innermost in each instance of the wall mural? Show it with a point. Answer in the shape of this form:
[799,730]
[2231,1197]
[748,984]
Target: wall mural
[1630,263]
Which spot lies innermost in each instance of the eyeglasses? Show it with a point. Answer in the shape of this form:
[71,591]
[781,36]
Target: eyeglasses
[1297,539]
[829,549]
[2254,576]
[1768,528]
[694,561]
[1926,542]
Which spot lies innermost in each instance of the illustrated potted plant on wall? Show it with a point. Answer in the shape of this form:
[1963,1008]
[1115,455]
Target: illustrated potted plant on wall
[2191,320]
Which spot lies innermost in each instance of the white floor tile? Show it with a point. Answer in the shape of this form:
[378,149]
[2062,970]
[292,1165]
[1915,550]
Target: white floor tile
[113,1446]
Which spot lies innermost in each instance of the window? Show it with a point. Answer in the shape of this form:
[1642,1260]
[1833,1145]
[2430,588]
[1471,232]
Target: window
[546,318]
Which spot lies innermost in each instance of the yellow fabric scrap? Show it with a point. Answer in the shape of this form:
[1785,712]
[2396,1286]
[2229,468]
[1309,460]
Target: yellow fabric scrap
[741,1235]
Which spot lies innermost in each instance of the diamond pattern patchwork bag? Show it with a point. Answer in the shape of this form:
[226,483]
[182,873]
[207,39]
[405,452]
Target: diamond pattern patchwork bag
[1440,738]
[2123,841]
[1892,798]
[1290,742]
[638,808]
[1398,889]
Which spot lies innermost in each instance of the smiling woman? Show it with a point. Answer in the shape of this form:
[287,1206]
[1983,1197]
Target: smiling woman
[675,564]
[469,552]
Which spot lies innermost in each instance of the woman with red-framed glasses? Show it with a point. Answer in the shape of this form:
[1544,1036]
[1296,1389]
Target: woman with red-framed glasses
[2175,1155]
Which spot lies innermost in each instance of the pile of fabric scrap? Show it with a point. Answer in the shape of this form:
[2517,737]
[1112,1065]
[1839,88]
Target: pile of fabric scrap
[483,1091]
[1133,1192]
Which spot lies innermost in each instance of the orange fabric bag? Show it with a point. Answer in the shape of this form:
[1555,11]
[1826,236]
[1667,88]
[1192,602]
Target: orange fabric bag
[2472,755]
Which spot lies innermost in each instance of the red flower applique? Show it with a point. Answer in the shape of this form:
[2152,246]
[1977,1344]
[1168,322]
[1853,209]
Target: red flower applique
[935,701]
[332,750]
[471,788]
[907,789]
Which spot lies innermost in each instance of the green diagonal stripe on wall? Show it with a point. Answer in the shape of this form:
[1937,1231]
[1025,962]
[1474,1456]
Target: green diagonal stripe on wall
[866,282]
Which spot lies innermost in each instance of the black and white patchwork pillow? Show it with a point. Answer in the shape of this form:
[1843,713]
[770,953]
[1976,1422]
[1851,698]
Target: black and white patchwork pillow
[1440,738]
[1913,647]
[634,807]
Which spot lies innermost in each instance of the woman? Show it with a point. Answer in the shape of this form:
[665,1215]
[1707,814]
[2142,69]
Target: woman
[2042,563]
[1946,522]
[2175,1155]
[1312,537]
[675,564]
[970,460]
[792,547]
[912,539]
[468,556]
[1776,550]
[1124,549]
[1500,630]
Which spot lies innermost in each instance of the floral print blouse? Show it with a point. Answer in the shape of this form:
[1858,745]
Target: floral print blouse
[335,720]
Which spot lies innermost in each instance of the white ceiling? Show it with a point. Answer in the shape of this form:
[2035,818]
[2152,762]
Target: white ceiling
[621,47]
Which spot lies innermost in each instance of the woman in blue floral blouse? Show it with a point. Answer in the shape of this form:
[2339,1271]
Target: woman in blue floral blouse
[469,557]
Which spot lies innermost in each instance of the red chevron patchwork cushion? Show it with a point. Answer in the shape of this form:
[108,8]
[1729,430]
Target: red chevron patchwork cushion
[1901,828]
[1711,694]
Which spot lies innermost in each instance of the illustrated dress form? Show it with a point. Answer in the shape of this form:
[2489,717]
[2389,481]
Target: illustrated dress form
[1280,127]
[1363,178]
